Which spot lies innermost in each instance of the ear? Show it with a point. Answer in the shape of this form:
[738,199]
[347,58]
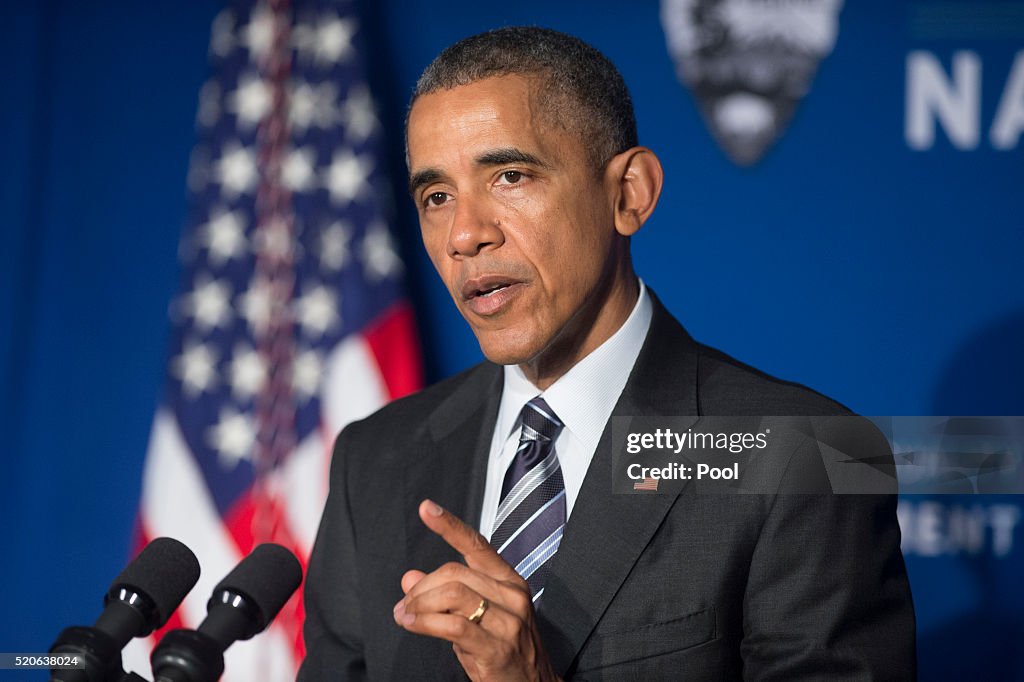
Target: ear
[635,177]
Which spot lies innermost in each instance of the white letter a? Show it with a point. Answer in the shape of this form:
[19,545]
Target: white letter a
[1009,121]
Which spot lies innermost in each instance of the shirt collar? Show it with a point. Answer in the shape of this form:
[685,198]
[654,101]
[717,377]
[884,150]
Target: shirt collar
[583,398]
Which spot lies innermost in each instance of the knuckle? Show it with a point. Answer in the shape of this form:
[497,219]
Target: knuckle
[519,583]
[478,542]
[518,598]
[457,627]
[451,569]
[453,591]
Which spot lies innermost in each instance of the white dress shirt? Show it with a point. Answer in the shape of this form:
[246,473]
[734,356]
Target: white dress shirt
[583,399]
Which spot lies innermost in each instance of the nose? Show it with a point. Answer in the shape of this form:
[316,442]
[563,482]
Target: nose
[475,228]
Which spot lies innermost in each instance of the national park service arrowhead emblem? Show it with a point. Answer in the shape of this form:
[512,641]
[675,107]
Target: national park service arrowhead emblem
[749,63]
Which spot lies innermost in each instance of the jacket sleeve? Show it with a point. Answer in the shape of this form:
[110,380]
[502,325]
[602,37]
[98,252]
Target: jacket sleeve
[827,596]
[334,642]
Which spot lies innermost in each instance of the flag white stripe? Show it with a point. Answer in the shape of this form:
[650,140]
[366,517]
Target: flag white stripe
[172,475]
[298,483]
[351,364]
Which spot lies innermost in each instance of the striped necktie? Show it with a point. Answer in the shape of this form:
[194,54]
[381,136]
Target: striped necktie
[531,515]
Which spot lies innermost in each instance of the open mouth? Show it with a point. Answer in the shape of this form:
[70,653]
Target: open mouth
[486,286]
[490,294]
[491,290]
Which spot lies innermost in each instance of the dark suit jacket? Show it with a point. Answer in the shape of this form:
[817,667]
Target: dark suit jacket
[643,587]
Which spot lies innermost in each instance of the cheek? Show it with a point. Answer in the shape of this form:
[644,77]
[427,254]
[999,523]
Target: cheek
[575,251]
[434,243]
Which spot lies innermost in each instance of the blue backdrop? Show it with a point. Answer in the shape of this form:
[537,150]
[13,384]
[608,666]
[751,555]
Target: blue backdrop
[860,256]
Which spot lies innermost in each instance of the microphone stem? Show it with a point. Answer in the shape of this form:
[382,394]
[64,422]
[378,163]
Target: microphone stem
[121,621]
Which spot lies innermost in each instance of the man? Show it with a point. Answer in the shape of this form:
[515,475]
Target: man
[529,182]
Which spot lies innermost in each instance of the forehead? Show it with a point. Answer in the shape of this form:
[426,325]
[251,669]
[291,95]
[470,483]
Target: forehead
[449,127]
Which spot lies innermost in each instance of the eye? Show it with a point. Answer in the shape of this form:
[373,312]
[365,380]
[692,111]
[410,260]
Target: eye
[436,198]
[511,177]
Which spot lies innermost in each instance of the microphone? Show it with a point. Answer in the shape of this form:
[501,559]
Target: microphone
[140,600]
[243,604]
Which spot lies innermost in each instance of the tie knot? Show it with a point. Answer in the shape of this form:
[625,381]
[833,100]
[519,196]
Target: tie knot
[539,421]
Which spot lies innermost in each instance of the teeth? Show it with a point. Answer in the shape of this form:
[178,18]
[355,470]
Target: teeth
[491,291]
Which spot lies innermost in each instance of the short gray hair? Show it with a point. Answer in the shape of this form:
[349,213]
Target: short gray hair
[584,91]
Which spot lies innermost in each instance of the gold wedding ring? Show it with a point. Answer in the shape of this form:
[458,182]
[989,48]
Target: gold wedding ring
[480,611]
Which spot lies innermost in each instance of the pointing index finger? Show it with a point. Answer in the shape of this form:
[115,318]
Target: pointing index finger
[465,540]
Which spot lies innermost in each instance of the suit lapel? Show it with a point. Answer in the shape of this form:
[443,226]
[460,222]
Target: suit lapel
[451,469]
[606,533]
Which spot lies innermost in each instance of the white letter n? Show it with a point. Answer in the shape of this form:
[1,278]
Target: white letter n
[930,96]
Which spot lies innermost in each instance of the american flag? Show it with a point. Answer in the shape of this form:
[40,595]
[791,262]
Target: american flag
[647,484]
[291,321]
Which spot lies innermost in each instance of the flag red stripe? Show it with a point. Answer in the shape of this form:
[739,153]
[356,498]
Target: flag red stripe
[241,522]
[394,342]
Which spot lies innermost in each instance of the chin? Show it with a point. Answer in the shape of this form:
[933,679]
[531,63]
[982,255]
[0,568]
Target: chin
[503,348]
[503,356]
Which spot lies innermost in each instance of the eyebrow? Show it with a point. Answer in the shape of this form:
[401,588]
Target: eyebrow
[499,157]
[423,177]
[493,157]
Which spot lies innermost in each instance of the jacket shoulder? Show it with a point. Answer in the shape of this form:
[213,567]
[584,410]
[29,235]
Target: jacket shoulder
[673,361]
[727,386]
[406,418]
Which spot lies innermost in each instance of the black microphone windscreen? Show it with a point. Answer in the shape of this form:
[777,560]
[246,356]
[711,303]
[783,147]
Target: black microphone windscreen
[267,577]
[165,571]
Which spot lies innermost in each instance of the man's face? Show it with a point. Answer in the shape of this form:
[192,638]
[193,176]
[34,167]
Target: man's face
[516,220]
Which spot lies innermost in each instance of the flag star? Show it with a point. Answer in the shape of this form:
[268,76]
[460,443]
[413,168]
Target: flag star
[209,104]
[306,374]
[248,372]
[297,171]
[233,437]
[303,37]
[301,103]
[379,252]
[317,310]
[312,105]
[209,303]
[224,236]
[251,101]
[333,40]
[346,177]
[195,368]
[258,34]
[334,245]
[222,33]
[236,170]
[358,114]
[255,305]
[274,239]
